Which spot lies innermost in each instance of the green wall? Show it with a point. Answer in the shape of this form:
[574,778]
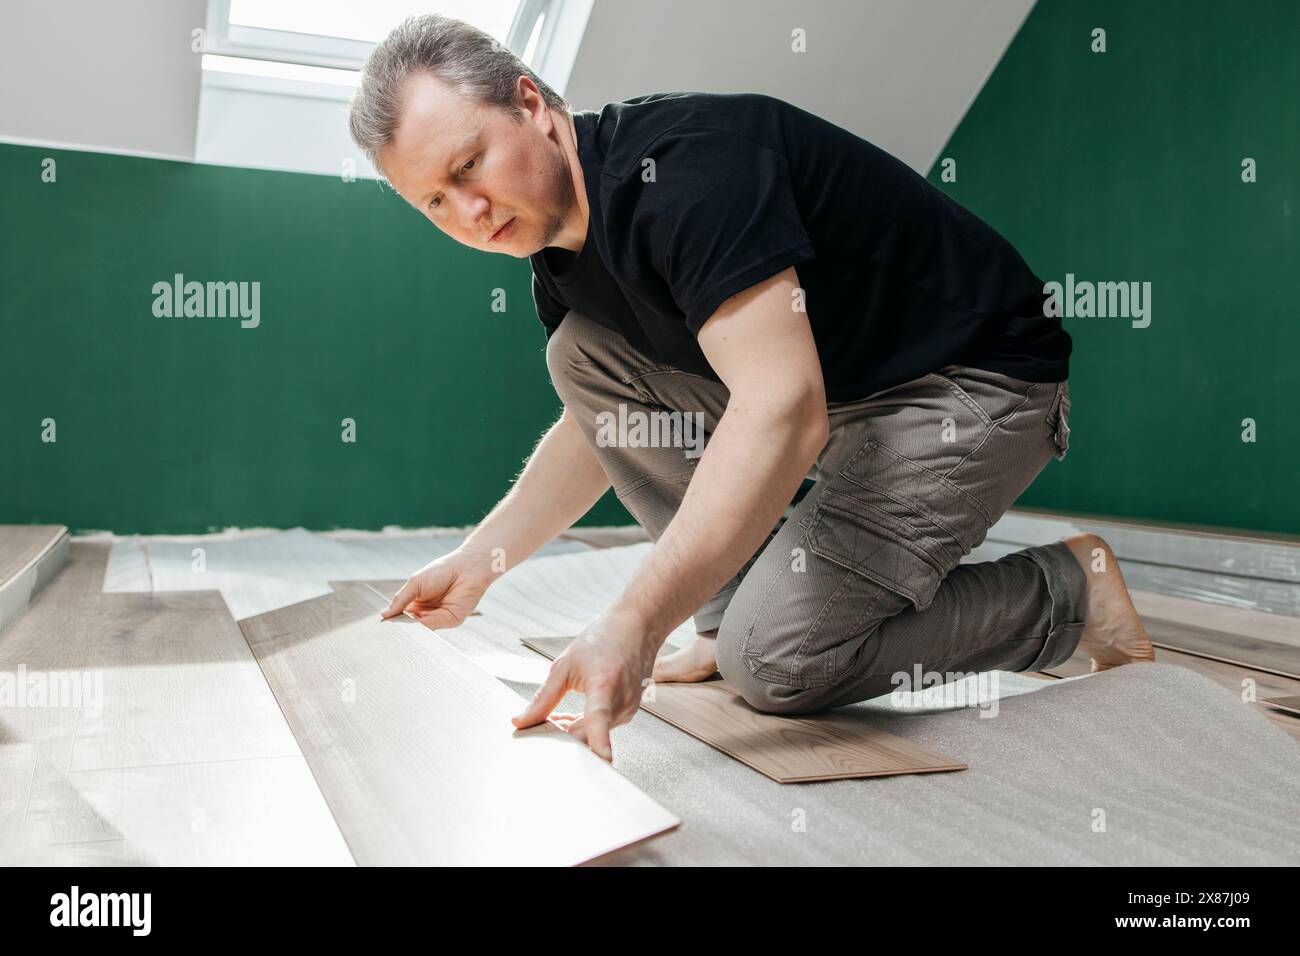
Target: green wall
[1126,165]
[186,424]
[1117,166]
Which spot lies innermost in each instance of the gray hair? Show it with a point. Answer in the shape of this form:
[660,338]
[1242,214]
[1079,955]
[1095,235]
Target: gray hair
[473,63]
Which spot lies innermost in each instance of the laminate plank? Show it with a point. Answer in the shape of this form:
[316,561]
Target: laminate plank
[413,747]
[157,679]
[30,555]
[1291,704]
[828,746]
[1249,638]
[1225,646]
[238,812]
[154,710]
[22,544]
[264,812]
[81,580]
[1243,622]
[205,700]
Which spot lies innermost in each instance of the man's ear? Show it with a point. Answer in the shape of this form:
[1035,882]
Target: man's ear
[525,90]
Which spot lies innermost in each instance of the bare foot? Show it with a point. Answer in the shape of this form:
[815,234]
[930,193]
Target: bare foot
[1113,633]
[694,662]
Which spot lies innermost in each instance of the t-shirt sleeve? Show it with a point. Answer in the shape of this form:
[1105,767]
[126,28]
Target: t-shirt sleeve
[549,309]
[719,217]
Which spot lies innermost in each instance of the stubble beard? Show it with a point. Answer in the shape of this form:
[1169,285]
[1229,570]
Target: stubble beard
[561,200]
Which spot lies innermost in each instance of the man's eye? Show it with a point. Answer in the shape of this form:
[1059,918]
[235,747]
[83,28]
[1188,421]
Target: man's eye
[462,169]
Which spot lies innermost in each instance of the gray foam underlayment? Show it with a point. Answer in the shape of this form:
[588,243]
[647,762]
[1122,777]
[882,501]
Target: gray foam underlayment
[259,571]
[1148,764]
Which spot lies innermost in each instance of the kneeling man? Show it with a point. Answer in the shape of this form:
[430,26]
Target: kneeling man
[797,304]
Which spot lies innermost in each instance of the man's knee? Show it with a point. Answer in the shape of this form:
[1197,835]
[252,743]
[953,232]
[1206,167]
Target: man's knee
[764,695]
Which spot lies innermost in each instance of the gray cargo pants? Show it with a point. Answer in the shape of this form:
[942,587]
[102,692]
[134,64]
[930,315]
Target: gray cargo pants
[862,582]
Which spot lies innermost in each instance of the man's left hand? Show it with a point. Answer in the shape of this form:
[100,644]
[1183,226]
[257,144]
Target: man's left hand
[607,663]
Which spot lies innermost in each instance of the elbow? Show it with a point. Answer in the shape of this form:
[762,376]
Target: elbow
[794,416]
[815,431]
[809,424]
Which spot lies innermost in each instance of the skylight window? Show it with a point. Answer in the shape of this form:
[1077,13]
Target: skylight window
[341,33]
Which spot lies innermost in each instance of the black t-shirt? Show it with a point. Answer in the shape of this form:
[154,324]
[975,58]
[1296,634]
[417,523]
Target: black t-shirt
[899,280]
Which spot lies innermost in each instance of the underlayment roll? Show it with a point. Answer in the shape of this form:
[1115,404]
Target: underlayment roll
[1147,764]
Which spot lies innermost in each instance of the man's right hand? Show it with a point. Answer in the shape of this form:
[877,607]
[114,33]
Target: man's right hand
[445,591]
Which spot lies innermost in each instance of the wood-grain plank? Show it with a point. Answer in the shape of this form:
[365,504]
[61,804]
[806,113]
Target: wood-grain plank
[30,556]
[1290,704]
[160,678]
[168,716]
[412,745]
[261,812]
[205,700]
[237,812]
[1248,638]
[1245,622]
[81,580]
[21,544]
[1244,650]
[830,746]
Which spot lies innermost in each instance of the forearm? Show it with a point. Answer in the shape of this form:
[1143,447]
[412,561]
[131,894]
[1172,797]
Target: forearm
[559,484]
[752,466]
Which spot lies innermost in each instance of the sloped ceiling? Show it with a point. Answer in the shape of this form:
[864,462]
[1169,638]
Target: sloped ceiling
[900,73]
[115,76]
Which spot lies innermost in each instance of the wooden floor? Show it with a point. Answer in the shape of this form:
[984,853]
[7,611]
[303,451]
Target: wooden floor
[168,746]
[173,748]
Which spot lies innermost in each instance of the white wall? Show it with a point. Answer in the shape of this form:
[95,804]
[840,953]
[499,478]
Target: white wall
[121,75]
[900,73]
[112,76]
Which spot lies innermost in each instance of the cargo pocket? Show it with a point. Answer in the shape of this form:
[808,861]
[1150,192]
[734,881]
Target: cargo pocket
[947,520]
[876,545]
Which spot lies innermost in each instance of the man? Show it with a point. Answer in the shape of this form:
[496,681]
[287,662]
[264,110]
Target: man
[813,308]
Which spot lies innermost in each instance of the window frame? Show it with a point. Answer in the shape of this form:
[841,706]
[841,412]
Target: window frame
[311,49]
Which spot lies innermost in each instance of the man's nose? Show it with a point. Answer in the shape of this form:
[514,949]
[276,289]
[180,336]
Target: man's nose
[473,214]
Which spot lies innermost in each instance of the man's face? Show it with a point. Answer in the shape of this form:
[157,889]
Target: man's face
[471,168]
